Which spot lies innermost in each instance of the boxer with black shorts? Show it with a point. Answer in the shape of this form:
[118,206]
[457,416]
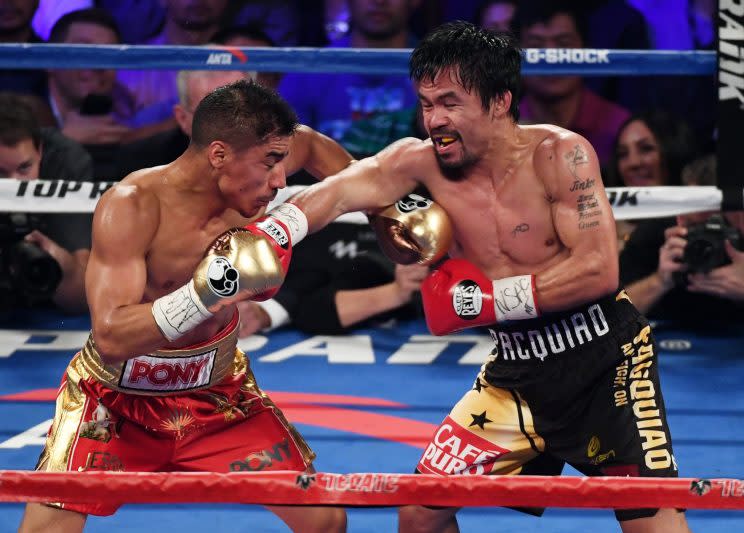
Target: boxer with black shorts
[573,377]
[160,385]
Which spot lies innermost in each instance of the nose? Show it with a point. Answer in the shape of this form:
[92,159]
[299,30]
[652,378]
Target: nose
[278,177]
[437,118]
[633,159]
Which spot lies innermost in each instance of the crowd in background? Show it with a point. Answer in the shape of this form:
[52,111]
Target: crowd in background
[647,130]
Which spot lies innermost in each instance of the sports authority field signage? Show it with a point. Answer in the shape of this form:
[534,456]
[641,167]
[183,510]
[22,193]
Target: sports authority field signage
[413,349]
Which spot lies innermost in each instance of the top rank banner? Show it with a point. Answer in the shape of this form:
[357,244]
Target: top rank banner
[730,92]
[628,203]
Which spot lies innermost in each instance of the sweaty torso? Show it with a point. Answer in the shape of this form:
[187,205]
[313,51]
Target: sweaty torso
[502,223]
[179,244]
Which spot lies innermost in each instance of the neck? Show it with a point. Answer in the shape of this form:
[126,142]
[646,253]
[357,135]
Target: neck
[399,40]
[560,112]
[192,175]
[175,34]
[506,146]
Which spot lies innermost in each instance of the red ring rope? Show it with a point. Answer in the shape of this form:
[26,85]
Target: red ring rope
[370,489]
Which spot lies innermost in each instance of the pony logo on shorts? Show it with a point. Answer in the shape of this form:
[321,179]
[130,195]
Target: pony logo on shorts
[412,202]
[163,374]
[222,277]
[455,450]
[467,299]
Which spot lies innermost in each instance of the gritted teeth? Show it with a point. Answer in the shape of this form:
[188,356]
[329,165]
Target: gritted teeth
[444,140]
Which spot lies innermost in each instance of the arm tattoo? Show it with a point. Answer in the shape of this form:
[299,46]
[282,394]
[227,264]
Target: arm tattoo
[588,208]
[521,228]
[574,158]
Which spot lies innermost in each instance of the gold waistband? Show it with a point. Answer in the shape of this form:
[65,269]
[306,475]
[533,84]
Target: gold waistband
[166,372]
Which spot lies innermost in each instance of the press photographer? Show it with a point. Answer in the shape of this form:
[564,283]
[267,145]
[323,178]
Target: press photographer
[689,270]
[28,275]
[42,257]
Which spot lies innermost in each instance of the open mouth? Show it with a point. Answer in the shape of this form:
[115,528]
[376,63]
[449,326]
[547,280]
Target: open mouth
[443,142]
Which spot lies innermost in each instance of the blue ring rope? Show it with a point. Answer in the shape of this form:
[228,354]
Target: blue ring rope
[578,61]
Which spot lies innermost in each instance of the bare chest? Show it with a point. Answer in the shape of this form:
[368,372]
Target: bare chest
[176,251]
[505,230]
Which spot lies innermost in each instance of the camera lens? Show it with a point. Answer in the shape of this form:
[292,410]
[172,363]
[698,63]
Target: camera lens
[34,270]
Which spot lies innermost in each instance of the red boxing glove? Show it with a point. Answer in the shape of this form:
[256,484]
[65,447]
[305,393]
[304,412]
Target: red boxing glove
[457,296]
[285,226]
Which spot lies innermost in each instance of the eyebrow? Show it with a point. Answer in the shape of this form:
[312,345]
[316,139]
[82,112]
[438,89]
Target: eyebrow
[448,94]
[277,155]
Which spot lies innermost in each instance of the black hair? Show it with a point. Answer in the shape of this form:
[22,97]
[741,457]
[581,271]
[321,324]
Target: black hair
[243,114]
[677,142]
[531,12]
[485,61]
[17,121]
[93,15]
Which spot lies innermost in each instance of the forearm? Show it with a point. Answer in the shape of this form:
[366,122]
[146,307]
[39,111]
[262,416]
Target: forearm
[354,306]
[320,203]
[128,331]
[576,280]
[646,292]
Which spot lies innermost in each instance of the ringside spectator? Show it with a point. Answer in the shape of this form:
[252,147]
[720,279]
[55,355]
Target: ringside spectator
[329,102]
[187,22]
[28,152]
[564,100]
[15,27]
[651,149]
[655,263]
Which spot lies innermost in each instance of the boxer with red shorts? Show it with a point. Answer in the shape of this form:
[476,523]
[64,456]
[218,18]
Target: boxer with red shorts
[160,385]
[202,400]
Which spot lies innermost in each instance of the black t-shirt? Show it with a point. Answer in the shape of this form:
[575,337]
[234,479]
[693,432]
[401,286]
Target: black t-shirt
[63,158]
[342,256]
[640,258]
[159,149]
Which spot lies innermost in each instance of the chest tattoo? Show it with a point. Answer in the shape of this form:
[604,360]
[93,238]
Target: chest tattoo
[521,228]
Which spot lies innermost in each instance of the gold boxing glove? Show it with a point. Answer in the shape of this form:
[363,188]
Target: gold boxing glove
[413,230]
[238,265]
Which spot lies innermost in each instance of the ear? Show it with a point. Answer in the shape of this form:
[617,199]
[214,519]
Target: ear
[217,153]
[501,104]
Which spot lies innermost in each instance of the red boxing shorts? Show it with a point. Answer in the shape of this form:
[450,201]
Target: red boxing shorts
[230,426]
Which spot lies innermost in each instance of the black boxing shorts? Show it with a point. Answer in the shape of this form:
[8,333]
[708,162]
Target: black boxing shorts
[578,387]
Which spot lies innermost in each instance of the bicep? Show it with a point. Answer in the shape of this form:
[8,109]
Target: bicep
[117,272]
[581,212]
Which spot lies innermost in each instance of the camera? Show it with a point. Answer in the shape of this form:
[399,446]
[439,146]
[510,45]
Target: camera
[705,249]
[28,274]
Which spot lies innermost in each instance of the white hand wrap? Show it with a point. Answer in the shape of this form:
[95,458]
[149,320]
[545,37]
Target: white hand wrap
[514,298]
[292,217]
[179,312]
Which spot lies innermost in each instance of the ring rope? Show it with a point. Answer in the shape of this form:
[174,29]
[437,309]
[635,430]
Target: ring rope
[370,489]
[628,203]
[541,61]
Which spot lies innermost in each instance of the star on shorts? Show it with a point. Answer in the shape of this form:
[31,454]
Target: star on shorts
[479,420]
